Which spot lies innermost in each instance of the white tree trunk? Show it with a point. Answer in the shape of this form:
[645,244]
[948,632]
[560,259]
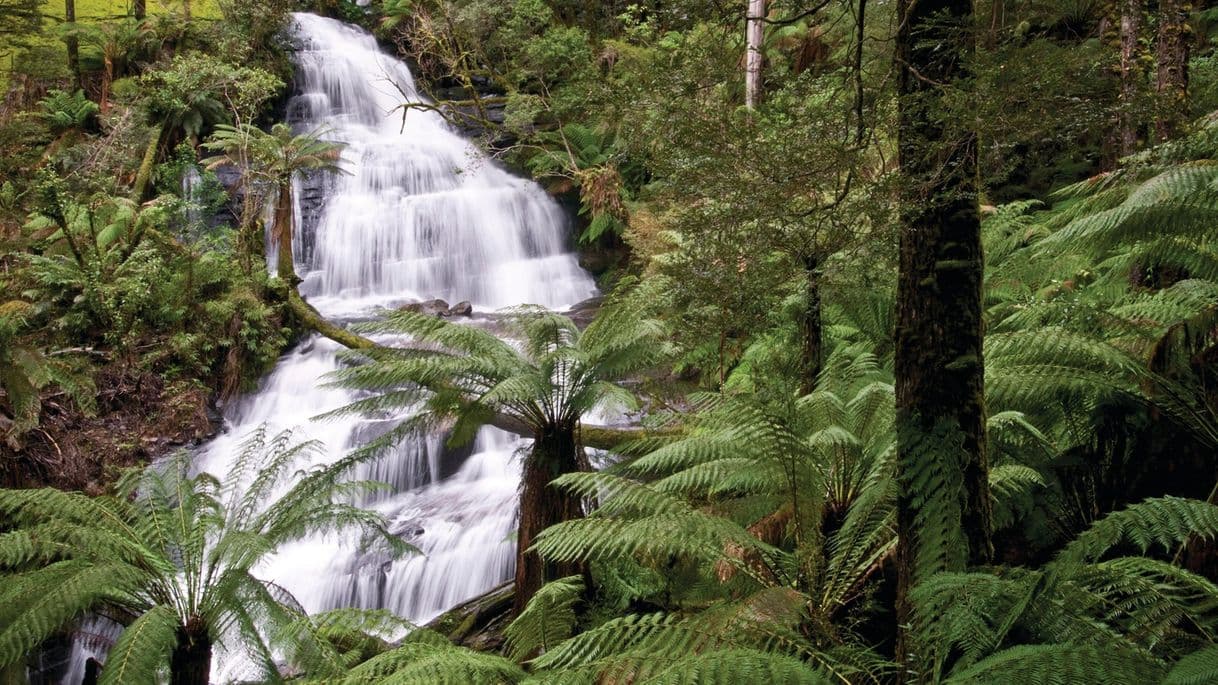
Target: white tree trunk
[755,36]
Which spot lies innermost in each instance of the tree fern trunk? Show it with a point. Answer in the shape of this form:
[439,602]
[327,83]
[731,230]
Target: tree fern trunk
[813,348]
[282,231]
[190,663]
[1172,54]
[943,506]
[140,9]
[554,453]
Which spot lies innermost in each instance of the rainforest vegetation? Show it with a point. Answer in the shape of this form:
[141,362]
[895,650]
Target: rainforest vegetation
[905,369]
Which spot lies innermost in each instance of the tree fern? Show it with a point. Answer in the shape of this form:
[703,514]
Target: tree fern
[548,619]
[176,554]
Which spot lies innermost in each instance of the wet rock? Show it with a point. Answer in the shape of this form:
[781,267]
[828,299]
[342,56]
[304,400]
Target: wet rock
[461,309]
[584,312]
[432,307]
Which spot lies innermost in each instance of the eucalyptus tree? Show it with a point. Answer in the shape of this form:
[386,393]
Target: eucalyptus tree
[544,379]
[173,557]
[275,158]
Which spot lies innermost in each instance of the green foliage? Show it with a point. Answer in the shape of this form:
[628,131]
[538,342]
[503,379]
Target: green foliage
[65,111]
[177,553]
[548,619]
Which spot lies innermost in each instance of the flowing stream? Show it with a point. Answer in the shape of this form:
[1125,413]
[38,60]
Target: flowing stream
[420,213]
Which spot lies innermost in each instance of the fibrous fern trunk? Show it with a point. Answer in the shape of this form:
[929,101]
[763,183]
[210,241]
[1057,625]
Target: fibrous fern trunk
[190,663]
[943,505]
[555,453]
[813,347]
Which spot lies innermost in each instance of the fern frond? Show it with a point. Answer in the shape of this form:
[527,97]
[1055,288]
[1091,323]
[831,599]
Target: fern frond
[547,619]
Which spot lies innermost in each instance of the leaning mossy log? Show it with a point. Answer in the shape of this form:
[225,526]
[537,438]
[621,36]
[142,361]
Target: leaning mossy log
[310,317]
[478,623]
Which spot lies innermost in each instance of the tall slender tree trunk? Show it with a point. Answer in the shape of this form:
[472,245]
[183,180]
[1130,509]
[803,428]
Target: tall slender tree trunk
[190,663]
[282,230]
[139,8]
[943,505]
[812,355]
[1131,29]
[73,43]
[186,10]
[754,56]
[554,453]
[1172,54]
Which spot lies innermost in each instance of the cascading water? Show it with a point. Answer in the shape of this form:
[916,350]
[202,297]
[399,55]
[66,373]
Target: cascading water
[420,213]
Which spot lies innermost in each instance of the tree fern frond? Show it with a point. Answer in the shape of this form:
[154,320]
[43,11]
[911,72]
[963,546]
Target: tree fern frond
[548,619]
[1053,664]
[142,649]
[1161,522]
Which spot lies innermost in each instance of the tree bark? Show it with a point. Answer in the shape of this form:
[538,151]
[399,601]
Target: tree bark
[140,9]
[73,43]
[190,663]
[812,355]
[554,453]
[1172,54]
[282,231]
[754,39]
[943,505]
[1131,28]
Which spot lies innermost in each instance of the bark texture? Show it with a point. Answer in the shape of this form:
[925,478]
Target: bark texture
[943,506]
[73,43]
[753,58]
[190,663]
[813,354]
[282,231]
[555,453]
[1172,48]
[1131,29]
[139,8]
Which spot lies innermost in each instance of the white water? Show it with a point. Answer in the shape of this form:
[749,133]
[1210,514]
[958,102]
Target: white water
[420,214]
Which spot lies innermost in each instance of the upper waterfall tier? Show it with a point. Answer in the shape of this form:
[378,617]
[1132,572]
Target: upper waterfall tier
[419,212]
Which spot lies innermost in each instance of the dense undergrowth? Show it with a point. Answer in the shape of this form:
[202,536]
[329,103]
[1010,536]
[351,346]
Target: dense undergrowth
[749,531]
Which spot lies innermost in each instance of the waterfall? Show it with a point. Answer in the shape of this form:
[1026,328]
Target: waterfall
[420,213]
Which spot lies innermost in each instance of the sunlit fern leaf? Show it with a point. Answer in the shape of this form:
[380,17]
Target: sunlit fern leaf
[142,650]
[1162,523]
[426,663]
[732,666]
[1061,664]
[1198,668]
[548,619]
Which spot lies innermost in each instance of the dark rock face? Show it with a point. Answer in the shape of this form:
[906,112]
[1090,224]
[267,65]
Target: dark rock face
[461,309]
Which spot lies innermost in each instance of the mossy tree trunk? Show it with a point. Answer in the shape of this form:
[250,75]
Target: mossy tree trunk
[190,663]
[812,354]
[1172,54]
[943,506]
[555,453]
[73,43]
[1130,73]
[139,8]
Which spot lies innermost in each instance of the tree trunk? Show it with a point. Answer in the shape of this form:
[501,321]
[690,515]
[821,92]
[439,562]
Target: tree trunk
[755,37]
[73,43]
[943,505]
[140,9]
[812,356]
[190,663]
[541,506]
[143,177]
[1172,54]
[1131,28]
[282,232]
